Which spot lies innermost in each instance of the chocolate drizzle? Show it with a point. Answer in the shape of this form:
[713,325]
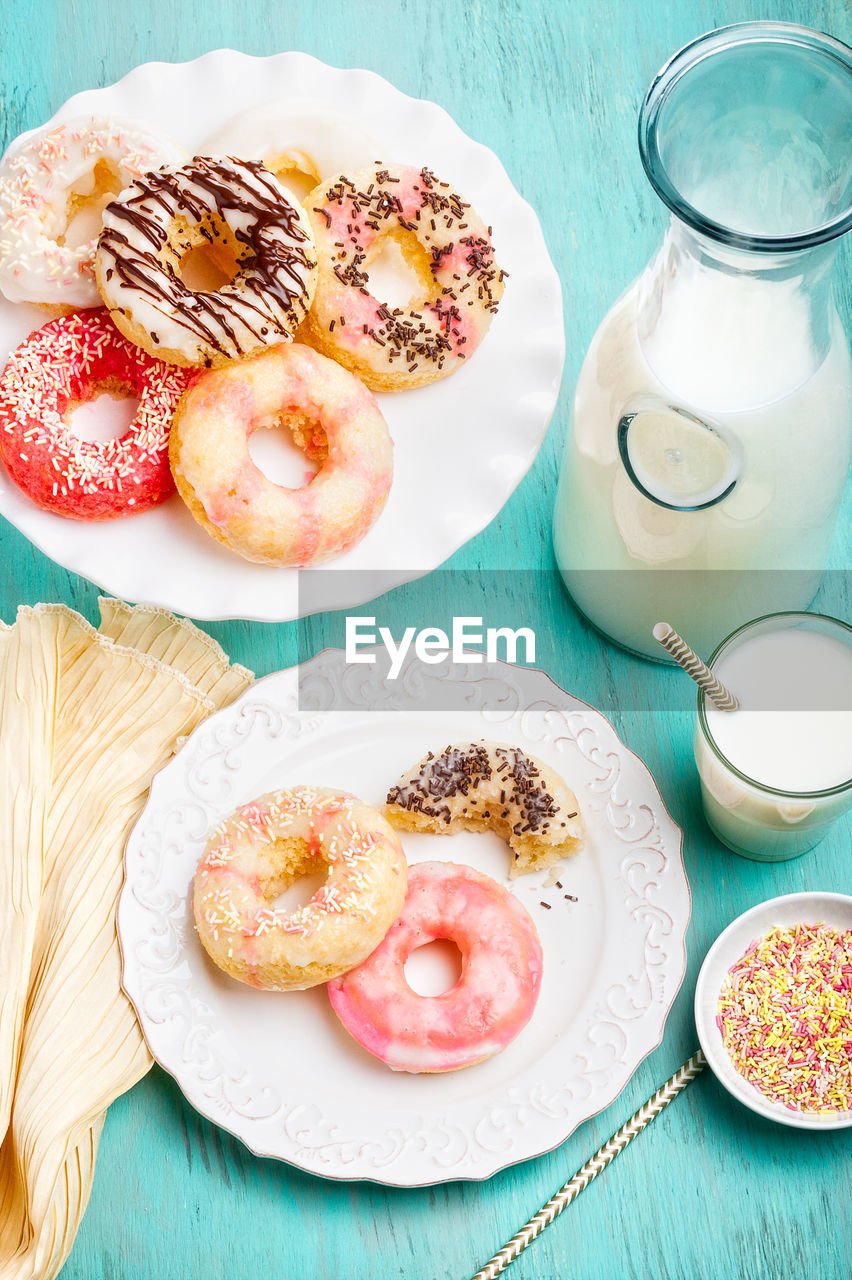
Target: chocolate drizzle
[140,253]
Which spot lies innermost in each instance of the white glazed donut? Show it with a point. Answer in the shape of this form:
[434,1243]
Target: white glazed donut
[304,140]
[43,180]
[239,209]
[262,848]
[475,786]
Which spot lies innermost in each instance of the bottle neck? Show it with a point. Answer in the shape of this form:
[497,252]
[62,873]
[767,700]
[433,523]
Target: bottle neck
[729,330]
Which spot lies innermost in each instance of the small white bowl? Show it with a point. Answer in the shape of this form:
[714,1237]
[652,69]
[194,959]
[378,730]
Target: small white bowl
[834,909]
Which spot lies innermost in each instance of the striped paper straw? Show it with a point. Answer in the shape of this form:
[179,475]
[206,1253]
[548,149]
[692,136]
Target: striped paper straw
[599,1161]
[677,647]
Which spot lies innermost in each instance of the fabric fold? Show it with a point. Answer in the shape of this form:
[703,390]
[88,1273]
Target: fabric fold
[94,715]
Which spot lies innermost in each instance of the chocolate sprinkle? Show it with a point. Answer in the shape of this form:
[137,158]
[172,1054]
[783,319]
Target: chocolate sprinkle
[459,771]
[407,341]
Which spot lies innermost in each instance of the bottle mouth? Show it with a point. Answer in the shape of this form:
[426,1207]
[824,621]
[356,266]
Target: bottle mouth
[745,135]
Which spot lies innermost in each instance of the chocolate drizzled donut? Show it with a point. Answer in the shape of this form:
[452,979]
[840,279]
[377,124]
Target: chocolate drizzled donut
[150,228]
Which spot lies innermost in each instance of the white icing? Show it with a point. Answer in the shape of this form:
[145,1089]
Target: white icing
[37,177]
[250,311]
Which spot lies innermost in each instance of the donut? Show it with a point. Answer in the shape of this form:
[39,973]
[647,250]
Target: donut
[265,846]
[493,999]
[261,241]
[300,143]
[61,365]
[333,418]
[52,187]
[442,240]
[478,786]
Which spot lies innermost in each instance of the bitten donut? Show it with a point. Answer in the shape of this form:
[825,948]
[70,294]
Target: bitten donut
[475,786]
[266,845]
[49,180]
[493,999]
[333,418]
[65,363]
[300,143]
[443,241]
[240,213]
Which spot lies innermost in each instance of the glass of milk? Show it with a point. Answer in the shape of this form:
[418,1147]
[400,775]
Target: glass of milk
[778,772]
[712,421]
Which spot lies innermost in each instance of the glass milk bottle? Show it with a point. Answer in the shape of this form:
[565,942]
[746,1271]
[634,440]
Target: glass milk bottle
[712,421]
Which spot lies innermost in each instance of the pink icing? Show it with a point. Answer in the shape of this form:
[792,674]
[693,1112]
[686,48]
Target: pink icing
[359,309]
[346,224]
[467,284]
[459,326]
[493,999]
[310,525]
[222,505]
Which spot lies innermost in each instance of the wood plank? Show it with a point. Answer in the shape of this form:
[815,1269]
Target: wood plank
[555,89]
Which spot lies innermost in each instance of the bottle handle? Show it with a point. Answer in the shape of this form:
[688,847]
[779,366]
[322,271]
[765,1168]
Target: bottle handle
[676,459]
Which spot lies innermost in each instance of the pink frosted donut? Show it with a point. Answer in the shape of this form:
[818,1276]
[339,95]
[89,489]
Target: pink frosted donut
[263,847]
[332,417]
[493,999]
[62,364]
[444,243]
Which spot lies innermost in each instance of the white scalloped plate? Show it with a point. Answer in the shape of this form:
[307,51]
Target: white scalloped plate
[462,445]
[277,1070]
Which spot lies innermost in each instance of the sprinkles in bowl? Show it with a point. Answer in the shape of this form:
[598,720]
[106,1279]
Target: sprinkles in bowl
[785,1016]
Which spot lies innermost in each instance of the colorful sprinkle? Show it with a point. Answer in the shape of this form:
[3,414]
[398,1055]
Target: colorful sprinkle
[785,1016]
[38,181]
[65,363]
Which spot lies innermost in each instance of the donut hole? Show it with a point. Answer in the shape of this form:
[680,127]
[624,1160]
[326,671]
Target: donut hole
[105,415]
[398,271]
[289,447]
[208,255]
[434,968]
[289,873]
[295,170]
[86,202]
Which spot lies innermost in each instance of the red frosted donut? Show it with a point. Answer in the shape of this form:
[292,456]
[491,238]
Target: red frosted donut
[493,999]
[65,363]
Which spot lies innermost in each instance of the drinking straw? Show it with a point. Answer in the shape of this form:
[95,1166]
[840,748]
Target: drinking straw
[677,647]
[599,1161]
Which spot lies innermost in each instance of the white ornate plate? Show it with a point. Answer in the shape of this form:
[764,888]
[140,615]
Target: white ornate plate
[462,445]
[277,1070]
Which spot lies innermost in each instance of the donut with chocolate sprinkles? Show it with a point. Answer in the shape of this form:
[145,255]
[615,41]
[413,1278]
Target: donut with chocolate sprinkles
[443,242]
[478,786]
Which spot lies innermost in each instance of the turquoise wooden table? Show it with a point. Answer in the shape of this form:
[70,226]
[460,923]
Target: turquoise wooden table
[554,89]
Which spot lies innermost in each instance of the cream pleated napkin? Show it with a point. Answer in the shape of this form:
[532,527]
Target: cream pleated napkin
[87,717]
